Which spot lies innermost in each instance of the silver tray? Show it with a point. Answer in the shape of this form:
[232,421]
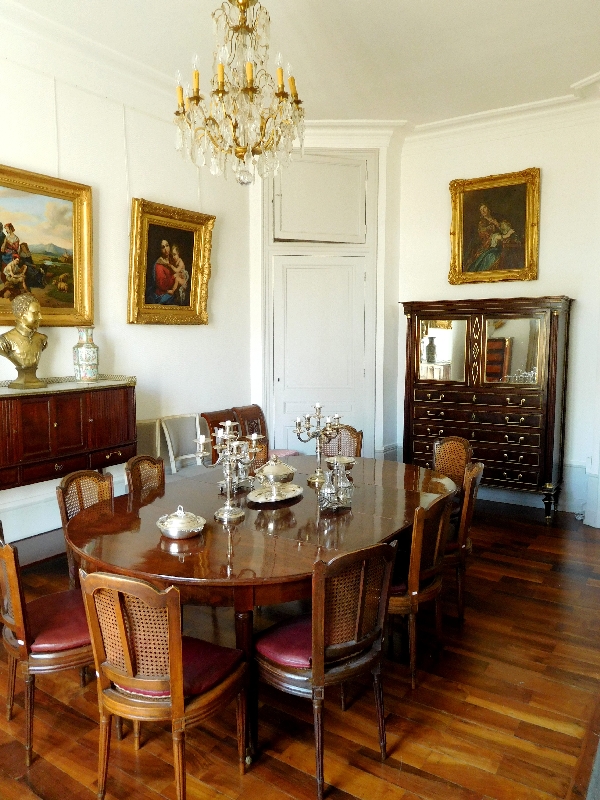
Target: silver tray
[284,491]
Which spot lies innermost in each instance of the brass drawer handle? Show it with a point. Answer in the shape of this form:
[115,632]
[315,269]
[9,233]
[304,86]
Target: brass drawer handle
[474,398]
[520,441]
[473,417]
[520,422]
[521,403]
[59,467]
[115,453]
[519,476]
[442,396]
[56,424]
[433,414]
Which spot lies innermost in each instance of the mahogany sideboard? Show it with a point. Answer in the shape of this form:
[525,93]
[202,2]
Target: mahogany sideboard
[493,372]
[47,433]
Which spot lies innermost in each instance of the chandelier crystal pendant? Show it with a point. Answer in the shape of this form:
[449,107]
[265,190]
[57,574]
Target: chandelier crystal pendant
[249,121]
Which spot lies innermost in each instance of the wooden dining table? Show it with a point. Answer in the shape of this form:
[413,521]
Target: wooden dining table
[264,559]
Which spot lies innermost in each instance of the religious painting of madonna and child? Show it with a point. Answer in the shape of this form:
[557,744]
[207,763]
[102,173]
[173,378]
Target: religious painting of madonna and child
[495,224]
[46,246]
[169,264]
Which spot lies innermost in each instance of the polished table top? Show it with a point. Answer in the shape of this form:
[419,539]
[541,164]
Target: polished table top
[275,544]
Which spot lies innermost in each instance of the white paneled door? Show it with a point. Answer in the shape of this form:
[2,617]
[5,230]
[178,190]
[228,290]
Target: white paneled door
[319,343]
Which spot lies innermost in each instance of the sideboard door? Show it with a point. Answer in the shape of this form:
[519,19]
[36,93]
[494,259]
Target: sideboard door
[111,419]
[36,438]
[67,423]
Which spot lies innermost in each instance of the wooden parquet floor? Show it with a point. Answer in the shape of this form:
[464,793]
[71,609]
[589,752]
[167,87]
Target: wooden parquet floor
[508,709]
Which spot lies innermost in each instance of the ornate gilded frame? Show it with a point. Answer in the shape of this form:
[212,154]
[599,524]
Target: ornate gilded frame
[80,195]
[144,214]
[529,213]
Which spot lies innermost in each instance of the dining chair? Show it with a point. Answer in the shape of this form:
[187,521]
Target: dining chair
[145,476]
[459,545]
[148,671]
[339,641]
[348,442]
[181,431]
[450,457]
[77,491]
[252,420]
[215,419]
[423,581]
[45,635]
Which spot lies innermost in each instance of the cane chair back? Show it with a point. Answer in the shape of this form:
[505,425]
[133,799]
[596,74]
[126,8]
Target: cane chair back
[341,640]
[458,548]
[424,580]
[145,476]
[148,671]
[80,490]
[181,431]
[215,419]
[451,456]
[348,442]
[47,635]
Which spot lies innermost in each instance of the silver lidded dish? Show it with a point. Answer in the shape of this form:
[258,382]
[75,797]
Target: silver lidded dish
[181,525]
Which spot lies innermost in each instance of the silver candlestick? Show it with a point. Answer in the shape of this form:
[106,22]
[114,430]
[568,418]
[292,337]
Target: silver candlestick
[308,430]
[235,456]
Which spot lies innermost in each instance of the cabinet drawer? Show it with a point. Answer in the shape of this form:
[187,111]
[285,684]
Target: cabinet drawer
[489,434]
[513,419]
[9,477]
[112,455]
[511,477]
[512,458]
[435,430]
[57,468]
[438,414]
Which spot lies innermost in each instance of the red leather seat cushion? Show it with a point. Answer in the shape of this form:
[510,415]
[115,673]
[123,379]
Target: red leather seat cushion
[283,453]
[288,643]
[204,666]
[57,622]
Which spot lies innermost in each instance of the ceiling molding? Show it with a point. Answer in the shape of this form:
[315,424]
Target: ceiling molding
[494,113]
[350,133]
[584,86]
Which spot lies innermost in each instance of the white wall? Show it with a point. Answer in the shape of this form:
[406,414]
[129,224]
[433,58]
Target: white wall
[60,129]
[564,143]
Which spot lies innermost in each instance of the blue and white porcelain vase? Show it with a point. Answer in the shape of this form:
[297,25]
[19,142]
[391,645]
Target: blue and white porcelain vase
[85,355]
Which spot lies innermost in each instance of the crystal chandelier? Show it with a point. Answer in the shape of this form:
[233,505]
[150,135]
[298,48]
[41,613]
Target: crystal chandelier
[249,121]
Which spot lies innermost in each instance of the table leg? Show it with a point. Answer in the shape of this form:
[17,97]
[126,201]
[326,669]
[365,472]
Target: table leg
[244,624]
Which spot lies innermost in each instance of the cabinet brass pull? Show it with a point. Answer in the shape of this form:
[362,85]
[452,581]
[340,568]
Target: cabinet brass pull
[520,422]
[519,477]
[429,395]
[441,432]
[433,413]
[59,467]
[505,455]
[474,398]
[56,424]
[520,459]
[473,417]
[520,403]
[115,453]
[521,439]
[441,396]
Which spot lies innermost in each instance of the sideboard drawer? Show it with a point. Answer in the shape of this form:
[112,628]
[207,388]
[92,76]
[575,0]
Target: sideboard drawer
[111,456]
[57,468]
[511,477]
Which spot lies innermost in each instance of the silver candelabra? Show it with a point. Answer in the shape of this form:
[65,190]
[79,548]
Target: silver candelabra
[320,433]
[235,455]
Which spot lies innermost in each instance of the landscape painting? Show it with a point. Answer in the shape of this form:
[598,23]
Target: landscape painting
[45,246]
[494,234]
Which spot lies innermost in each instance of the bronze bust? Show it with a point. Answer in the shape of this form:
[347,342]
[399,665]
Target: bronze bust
[23,345]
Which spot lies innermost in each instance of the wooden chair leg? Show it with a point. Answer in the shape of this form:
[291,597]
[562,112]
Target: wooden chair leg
[103,752]
[136,734]
[378,689]
[460,576]
[318,720]
[179,761]
[29,701]
[119,728]
[82,676]
[10,686]
[438,618]
[412,646]
[343,696]
[242,729]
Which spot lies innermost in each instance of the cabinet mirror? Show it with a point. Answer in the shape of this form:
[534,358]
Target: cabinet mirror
[442,350]
[512,350]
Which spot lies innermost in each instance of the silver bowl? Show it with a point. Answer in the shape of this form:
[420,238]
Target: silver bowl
[180,525]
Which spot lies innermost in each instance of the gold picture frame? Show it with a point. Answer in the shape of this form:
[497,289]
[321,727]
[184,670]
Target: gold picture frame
[46,246]
[169,265]
[495,228]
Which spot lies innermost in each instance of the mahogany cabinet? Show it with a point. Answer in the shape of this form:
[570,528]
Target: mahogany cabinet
[494,372]
[47,433]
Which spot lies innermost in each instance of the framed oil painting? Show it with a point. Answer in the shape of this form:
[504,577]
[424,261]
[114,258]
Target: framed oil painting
[169,264]
[495,228]
[46,246]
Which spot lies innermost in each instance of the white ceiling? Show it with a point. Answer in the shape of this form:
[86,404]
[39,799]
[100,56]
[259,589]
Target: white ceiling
[419,60]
